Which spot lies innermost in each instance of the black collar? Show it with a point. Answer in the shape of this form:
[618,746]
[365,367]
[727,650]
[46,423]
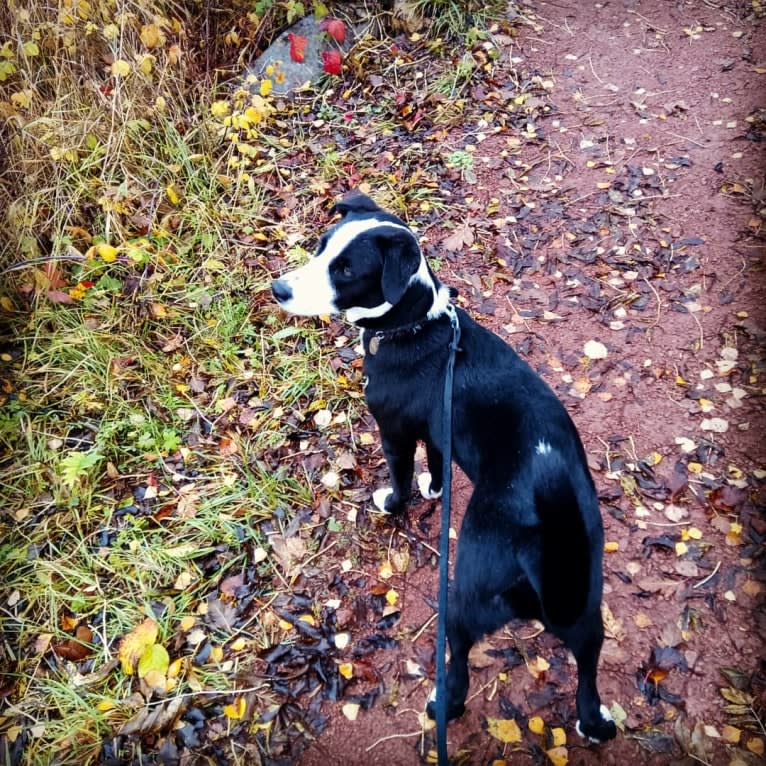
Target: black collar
[398,333]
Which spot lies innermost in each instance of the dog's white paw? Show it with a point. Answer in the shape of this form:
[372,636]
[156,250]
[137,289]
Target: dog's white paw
[424,485]
[379,497]
[605,714]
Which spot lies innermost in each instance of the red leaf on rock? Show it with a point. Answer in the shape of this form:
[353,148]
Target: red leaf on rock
[331,61]
[335,28]
[297,47]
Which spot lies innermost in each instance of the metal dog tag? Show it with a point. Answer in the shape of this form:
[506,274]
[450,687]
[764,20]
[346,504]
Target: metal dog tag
[374,343]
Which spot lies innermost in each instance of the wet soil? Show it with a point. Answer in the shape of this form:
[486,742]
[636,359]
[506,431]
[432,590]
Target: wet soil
[643,198]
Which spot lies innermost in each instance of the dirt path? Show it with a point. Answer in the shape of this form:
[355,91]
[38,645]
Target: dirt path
[630,223]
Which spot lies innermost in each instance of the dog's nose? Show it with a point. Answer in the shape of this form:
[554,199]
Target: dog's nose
[282,291]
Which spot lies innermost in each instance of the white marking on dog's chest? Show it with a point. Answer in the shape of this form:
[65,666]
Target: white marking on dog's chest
[543,448]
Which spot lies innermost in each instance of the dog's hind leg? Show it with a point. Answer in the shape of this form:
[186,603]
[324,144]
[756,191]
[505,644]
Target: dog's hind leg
[400,457]
[584,639]
[486,593]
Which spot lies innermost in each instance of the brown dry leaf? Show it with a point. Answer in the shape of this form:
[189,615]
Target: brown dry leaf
[288,551]
[462,236]
[642,620]
[613,627]
[156,719]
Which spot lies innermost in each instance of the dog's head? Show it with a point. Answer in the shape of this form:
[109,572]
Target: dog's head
[363,266]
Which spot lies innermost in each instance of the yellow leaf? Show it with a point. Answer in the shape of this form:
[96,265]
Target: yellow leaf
[23,98]
[106,252]
[120,68]
[146,64]
[219,109]
[558,756]
[603,184]
[611,547]
[266,86]
[308,618]
[135,643]
[696,534]
[392,597]
[106,705]
[151,35]
[504,729]
[559,737]
[386,571]
[653,458]
[111,31]
[285,625]
[175,667]
[536,725]
[172,194]
[731,733]
[236,709]
[31,49]
[154,657]
[238,644]
[346,669]
[187,623]
[681,548]
[695,468]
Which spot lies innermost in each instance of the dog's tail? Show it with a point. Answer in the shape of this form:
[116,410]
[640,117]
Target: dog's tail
[567,509]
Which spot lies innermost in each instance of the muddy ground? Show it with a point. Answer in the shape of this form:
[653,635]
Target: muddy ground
[633,223]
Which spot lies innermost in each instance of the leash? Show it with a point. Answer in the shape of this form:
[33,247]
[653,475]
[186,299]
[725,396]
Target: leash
[441,632]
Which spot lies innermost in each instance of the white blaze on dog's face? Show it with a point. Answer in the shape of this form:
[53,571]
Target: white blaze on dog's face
[363,267]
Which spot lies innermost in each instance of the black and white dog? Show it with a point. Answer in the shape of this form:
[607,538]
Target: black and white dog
[531,542]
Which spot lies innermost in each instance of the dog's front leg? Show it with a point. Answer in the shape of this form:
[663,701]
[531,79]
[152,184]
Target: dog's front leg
[400,457]
[430,481]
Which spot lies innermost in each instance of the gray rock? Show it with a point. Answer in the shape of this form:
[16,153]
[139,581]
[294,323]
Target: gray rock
[297,73]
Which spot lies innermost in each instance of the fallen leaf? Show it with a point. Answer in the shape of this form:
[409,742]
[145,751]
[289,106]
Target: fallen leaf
[236,709]
[558,756]
[351,710]
[332,62]
[297,47]
[536,725]
[335,28]
[135,643]
[460,237]
[593,349]
[504,729]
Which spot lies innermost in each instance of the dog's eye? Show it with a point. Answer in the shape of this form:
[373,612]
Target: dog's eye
[347,271]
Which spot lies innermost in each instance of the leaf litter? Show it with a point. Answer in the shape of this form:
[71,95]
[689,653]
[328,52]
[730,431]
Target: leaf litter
[579,245]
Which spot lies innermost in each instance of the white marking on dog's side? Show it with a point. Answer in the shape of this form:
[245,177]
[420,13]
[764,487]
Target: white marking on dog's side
[379,497]
[543,448]
[424,485]
[605,715]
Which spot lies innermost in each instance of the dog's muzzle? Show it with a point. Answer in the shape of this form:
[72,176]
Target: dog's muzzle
[281,290]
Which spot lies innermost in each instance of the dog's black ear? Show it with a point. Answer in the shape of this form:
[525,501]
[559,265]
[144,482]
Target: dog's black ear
[401,259]
[356,202]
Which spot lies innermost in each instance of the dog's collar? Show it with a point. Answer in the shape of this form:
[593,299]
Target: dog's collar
[397,333]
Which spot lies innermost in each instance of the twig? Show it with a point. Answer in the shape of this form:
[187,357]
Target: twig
[650,23]
[43,259]
[699,326]
[424,626]
[712,574]
[685,138]
[392,736]
[657,298]
[594,71]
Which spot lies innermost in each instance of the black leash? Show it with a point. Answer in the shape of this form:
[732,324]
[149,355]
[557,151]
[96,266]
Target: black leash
[441,632]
